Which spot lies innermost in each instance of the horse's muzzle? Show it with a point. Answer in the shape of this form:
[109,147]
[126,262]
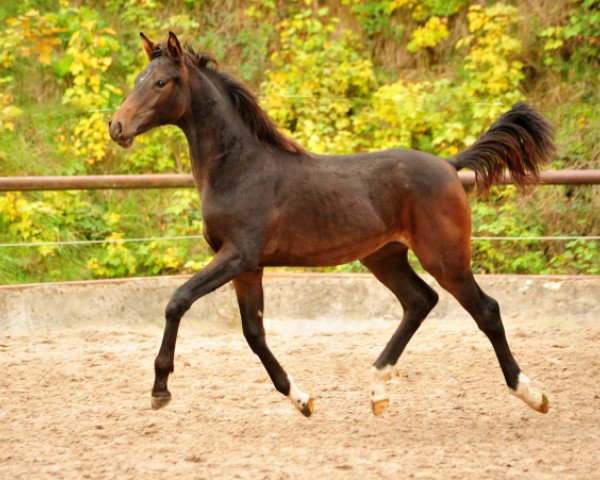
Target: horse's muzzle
[115,129]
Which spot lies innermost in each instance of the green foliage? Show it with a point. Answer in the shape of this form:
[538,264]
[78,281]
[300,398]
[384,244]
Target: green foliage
[421,10]
[504,215]
[492,72]
[573,45]
[47,217]
[116,260]
[8,112]
[159,151]
[446,115]
[80,216]
[375,17]
[422,115]
[28,35]
[317,80]
[179,217]
[428,35]
[88,56]
[339,76]
[570,51]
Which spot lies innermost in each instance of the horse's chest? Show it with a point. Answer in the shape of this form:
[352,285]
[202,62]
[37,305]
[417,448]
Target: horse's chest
[237,222]
[217,227]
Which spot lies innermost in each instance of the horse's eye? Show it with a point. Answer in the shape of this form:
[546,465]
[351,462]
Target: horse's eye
[160,83]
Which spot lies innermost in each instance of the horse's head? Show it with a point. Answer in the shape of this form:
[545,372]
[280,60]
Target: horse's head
[160,95]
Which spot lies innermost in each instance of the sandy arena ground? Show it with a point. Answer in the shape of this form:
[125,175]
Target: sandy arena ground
[76,405]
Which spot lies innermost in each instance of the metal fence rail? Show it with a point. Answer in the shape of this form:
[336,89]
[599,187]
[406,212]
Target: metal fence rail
[173,180]
[96,182]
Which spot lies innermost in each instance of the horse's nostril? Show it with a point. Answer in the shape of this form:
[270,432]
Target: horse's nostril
[115,128]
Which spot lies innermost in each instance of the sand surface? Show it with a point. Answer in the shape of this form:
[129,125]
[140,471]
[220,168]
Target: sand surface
[75,404]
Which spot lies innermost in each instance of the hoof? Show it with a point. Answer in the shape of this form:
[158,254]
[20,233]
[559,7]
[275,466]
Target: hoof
[160,402]
[309,408]
[379,406]
[545,406]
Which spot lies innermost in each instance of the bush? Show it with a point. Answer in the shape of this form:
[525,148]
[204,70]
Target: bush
[340,77]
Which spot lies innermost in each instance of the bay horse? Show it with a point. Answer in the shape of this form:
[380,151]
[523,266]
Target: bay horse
[266,201]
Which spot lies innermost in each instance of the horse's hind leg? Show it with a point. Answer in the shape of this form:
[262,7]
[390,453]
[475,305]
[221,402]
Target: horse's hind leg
[390,266]
[248,288]
[454,274]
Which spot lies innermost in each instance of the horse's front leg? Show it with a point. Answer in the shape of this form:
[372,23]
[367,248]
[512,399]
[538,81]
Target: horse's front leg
[249,292]
[226,265]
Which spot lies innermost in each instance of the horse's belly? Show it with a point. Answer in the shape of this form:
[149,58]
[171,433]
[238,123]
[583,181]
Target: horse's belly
[315,251]
[332,226]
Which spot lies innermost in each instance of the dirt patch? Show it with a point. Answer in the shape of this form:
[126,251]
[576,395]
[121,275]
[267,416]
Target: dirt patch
[76,405]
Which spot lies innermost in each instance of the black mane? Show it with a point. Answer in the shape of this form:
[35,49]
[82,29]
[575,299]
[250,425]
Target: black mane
[243,100]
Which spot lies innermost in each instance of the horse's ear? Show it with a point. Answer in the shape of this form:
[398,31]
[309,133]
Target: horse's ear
[148,45]
[174,48]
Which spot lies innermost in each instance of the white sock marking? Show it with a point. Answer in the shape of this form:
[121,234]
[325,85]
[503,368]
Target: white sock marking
[297,396]
[380,378]
[530,396]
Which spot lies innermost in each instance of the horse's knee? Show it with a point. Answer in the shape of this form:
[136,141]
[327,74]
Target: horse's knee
[490,322]
[177,306]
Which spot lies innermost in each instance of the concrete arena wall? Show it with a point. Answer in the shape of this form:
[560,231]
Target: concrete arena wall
[318,302]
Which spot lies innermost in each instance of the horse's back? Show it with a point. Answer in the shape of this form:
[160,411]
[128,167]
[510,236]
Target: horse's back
[390,180]
[418,170]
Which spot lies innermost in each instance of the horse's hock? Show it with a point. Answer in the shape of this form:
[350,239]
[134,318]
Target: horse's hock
[293,302]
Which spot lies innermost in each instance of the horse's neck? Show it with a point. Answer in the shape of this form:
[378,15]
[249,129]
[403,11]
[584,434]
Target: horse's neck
[198,159]
[213,135]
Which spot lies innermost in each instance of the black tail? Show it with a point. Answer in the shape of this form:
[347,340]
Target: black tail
[520,140]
